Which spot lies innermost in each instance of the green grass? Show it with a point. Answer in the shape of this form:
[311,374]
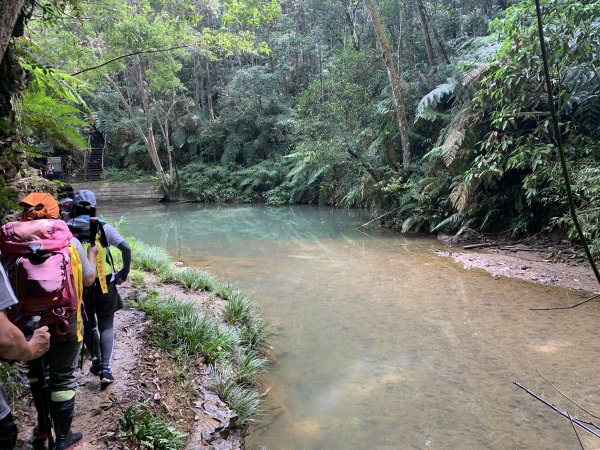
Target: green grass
[245,401]
[257,335]
[9,378]
[249,365]
[195,279]
[235,349]
[152,259]
[239,310]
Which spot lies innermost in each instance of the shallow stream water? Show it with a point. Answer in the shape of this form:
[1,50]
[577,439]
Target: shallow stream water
[384,344]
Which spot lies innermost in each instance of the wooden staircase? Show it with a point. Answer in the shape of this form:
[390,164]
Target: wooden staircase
[94,164]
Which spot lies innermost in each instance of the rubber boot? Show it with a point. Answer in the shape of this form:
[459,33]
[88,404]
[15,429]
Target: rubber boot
[42,433]
[62,415]
[8,433]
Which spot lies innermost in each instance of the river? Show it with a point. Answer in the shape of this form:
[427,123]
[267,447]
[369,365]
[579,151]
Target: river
[385,344]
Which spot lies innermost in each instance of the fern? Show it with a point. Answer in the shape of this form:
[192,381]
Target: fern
[449,222]
[460,193]
[232,148]
[456,135]
[426,107]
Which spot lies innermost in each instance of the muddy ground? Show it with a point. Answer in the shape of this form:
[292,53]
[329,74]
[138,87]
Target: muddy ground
[148,376]
[539,259]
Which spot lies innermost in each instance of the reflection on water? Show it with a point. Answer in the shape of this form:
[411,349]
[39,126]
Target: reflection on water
[386,345]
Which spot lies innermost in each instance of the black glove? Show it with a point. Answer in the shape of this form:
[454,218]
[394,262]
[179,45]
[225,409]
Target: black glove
[121,274]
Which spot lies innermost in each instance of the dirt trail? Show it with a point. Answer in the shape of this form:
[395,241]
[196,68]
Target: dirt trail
[97,410]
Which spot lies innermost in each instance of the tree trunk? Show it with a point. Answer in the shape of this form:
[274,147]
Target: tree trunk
[390,150]
[9,13]
[440,46]
[350,11]
[425,31]
[394,82]
[148,136]
[211,112]
[12,80]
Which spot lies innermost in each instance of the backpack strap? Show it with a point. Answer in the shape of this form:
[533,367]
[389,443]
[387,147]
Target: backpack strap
[77,270]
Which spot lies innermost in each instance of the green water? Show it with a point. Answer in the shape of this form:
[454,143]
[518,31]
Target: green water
[385,344]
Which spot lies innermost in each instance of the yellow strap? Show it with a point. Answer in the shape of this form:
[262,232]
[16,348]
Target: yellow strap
[77,269]
[100,264]
[100,260]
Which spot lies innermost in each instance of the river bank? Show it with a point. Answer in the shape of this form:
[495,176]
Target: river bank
[543,260]
[146,378]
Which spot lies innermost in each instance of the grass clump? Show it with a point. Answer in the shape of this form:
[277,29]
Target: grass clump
[142,430]
[196,279]
[257,334]
[152,259]
[244,400]
[239,310]
[9,378]
[249,364]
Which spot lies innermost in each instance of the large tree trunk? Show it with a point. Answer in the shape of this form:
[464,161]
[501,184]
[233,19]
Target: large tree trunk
[394,82]
[148,135]
[9,13]
[350,11]
[425,31]
[12,80]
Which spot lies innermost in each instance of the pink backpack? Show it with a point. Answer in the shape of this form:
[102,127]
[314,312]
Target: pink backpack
[36,256]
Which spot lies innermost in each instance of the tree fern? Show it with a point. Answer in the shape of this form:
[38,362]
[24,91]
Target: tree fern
[460,194]
[455,135]
[232,148]
[426,109]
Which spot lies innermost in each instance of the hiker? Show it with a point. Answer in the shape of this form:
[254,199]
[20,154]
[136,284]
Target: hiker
[14,346]
[48,268]
[65,201]
[102,300]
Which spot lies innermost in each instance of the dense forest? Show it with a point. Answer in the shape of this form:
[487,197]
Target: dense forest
[432,111]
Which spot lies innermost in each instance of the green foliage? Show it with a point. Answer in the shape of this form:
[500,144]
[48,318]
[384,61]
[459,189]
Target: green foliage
[151,259]
[127,175]
[586,188]
[239,310]
[426,109]
[207,183]
[195,279]
[140,429]
[10,380]
[50,110]
[243,400]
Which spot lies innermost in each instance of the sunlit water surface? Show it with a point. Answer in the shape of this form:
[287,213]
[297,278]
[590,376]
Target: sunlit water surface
[386,345]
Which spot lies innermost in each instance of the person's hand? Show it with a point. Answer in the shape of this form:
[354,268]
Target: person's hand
[121,276]
[92,251]
[39,342]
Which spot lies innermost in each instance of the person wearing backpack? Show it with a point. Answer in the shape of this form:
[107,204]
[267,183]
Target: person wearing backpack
[48,268]
[102,300]
[14,346]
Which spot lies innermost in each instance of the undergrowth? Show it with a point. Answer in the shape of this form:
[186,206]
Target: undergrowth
[141,430]
[235,347]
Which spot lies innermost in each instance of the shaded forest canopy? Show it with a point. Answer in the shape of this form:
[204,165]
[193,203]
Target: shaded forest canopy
[435,110]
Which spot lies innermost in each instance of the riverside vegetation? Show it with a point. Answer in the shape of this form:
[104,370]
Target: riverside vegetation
[432,112]
[216,345]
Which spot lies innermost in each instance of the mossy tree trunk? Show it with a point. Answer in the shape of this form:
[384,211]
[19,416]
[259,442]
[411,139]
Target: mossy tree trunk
[394,81]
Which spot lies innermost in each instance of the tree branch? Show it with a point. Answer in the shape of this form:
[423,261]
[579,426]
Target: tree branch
[139,52]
